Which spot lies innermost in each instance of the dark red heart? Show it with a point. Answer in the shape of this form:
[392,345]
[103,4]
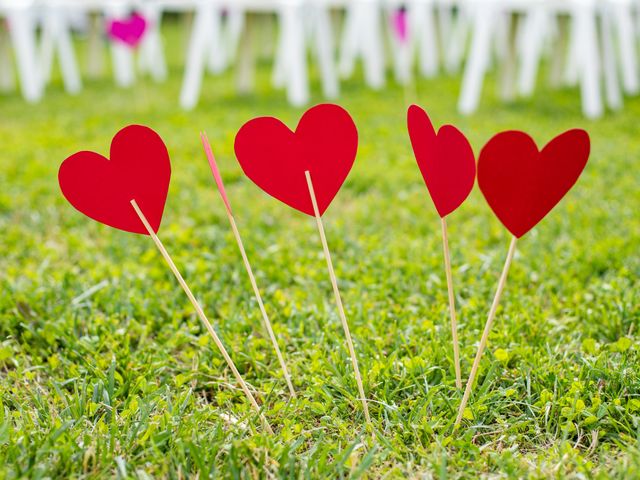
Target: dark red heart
[325,143]
[522,184]
[138,169]
[446,160]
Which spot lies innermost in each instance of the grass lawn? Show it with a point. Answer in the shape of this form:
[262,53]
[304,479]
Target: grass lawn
[106,370]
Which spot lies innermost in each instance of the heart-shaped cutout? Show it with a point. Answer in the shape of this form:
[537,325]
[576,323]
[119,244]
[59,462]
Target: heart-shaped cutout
[129,31]
[400,24]
[138,169]
[275,158]
[522,184]
[445,159]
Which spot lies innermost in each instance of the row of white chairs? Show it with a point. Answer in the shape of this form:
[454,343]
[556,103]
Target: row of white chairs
[600,39]
[471,37]
[40,33]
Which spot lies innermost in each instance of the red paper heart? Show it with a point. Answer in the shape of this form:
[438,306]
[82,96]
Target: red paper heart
[325,143]
[446,160]
[138,169]
[522,184]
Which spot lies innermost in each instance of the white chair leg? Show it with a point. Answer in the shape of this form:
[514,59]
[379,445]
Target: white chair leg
[613,94]
[445,23]
[557,42]
[424,28]
[349,41]
[196,56]
[66,54]
[402,51]
[323,39]
[572,67]
[402,61]
[47,48]
[152,59]
[232,31]
[22,30]
[501,36]
[456,45]
[533,34]
[587,51]
[477,61]
[623,17]
[295,54]
[508,57]
[122,65]
[279,73]
[217,58]
[121,55]
[372,47]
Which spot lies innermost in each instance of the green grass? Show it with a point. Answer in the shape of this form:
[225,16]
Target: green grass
[124,381]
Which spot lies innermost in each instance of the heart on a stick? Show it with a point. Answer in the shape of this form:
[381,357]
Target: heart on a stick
[445,160]
[400,24]
[102,188]
[129,31]
[521,183]
[275,158]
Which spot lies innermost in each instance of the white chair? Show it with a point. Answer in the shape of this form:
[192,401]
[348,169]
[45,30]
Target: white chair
[150,52]
[56,40]
[422,40]
[206,44]
[622,13]
[151,58]
[366,22]
[317,32]
[592,57]
[362,39]
[402,46]
[455,28]
[121,55]
[302,24]
[21,22]
[424,27]
[591,50]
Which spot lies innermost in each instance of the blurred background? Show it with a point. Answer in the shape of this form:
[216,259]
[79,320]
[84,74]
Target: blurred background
[589,44]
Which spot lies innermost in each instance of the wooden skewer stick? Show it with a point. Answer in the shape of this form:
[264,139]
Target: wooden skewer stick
[336,292]
[202,316]
[247,265]
[265,317]
[452,303]
[487,329]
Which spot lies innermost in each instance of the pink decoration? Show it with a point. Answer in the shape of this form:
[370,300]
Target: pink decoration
[400,24]
[129,31]
[215,170]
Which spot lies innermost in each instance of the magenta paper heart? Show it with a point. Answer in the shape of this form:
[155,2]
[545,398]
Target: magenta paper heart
[129,31]
[399,23]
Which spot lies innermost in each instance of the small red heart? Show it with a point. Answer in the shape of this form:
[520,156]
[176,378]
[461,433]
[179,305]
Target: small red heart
[446,160]
[138,169]
[522,184]
[325,143]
